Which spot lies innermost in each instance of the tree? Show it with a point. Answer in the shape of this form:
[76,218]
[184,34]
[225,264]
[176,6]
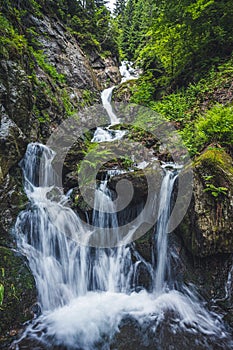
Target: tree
[119,8]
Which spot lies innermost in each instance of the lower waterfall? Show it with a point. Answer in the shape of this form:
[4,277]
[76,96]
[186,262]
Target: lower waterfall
[86,293]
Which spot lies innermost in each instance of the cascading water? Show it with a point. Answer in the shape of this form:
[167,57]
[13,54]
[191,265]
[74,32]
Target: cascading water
[107,134]
[161,236]
[106,97]
[84,292]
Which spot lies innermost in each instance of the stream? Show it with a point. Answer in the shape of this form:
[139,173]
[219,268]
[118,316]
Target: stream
[92,298]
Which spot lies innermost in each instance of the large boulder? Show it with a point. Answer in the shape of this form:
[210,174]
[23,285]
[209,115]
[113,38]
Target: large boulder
[207,228]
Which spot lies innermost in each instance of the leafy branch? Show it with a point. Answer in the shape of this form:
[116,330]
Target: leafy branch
[215,191]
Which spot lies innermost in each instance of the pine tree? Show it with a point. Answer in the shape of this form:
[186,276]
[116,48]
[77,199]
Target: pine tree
[119,8]
[100,3]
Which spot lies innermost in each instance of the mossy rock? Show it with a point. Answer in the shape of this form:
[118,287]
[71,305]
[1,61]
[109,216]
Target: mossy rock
[144,244]
[19,293]
[218,162]
[207,227]
[123,92]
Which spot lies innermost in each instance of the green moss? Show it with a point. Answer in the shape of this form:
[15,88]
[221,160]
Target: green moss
[19,290]
[216,159]
[87,98]
[68,106]
[47,67]
[12,44]
[123,92]
[44,118]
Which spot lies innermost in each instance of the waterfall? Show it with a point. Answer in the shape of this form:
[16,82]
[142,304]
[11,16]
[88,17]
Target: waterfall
[106,134]
[48,234]
[106,97]
[128,72]
[85,293]
[161,236]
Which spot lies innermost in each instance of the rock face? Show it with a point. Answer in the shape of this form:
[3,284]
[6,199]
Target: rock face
[64,53]
[16,93]
[12,148]
[106,70]
[19,294]
[51,82]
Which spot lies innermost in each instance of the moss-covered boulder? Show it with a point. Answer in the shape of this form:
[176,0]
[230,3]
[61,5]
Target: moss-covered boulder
[207,228]
[123,92]
[18,294]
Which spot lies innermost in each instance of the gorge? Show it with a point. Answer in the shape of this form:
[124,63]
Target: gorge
[102,264]
[86,294]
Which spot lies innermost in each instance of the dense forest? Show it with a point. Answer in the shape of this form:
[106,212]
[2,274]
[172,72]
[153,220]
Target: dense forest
[89,21]
[185,51]
[56,58]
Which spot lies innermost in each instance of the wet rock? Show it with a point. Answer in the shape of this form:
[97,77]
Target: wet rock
[12,145]
[205,248]
[106,70]
[163,334]
[123,92]
[16,99]
[13,200]
[18,297]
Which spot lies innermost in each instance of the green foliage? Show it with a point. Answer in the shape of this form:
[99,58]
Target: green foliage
[69,108]
[143,92]
[43,118]
[1,293]
[47,67]
[87,98]
[175,107]
[180,38]
[90,20]
[215,191]
[95,155]
[126,162]
[194,110]
[11,43]
[215,126]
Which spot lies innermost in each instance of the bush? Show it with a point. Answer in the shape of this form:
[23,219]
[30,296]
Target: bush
[216,126]
[11,43]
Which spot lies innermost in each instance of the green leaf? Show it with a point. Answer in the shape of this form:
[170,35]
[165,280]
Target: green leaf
[1,293]
[215,194]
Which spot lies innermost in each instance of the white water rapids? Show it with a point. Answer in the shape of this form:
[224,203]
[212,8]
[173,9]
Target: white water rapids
[85,293]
